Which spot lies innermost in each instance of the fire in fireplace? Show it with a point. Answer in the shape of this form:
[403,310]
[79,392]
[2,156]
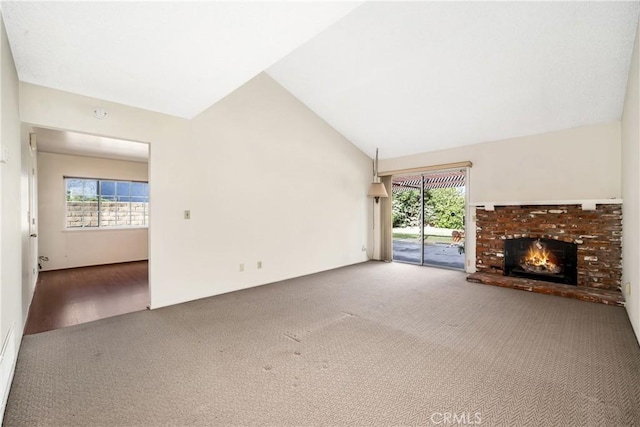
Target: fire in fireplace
[541,259]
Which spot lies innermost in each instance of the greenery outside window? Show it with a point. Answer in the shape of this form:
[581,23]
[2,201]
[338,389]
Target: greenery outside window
[103,203]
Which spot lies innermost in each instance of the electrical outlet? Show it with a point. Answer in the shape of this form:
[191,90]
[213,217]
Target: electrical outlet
[241,267]
[364,248]
[259,265]
[627,288]
[187,214]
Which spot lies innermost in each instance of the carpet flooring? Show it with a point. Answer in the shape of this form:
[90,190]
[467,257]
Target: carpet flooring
[370,344]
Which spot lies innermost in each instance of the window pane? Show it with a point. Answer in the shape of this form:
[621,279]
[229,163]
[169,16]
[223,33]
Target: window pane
[74,202]
[138,211]
[90,188]
[107,188]
[108,211]
[123,212]
[139,189]
[81,203]
[74,214]
[74,189]
[90,213]
[123,189]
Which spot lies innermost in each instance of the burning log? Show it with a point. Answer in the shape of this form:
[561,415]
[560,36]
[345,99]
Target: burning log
[539,260]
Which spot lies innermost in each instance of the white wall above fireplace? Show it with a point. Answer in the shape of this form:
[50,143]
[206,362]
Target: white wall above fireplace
[574,164]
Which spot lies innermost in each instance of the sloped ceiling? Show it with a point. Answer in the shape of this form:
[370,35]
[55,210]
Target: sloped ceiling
[174,57]
[413,77]
[407,77]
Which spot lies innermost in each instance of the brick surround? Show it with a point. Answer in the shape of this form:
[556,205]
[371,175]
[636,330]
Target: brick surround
[598,234]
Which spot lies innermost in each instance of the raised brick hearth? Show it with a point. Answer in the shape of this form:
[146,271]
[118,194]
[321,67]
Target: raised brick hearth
[598,234]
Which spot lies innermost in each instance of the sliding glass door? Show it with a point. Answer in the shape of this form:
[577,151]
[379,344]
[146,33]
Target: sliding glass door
[407,211]
[429,218]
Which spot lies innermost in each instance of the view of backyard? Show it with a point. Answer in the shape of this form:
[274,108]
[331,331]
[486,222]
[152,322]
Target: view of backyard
[439,247]
[441,214]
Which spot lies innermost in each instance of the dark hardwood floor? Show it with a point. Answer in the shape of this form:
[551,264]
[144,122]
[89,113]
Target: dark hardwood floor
[79,295]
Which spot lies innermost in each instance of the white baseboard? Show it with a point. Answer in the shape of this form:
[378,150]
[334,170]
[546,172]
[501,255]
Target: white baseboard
[8,358]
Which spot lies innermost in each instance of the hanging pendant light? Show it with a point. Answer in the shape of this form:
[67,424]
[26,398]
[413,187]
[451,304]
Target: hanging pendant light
[376,189]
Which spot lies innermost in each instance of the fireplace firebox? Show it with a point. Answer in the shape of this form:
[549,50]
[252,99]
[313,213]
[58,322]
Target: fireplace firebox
[541,259]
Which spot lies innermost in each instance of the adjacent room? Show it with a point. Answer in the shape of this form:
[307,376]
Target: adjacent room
[319,213]
[93,202]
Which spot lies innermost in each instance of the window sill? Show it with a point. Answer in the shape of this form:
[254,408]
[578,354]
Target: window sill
[84,229]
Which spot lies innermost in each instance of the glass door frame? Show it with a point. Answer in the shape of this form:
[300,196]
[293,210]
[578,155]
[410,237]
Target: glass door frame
[465,221]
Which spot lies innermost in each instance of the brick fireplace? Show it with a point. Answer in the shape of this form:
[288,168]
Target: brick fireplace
[596,234]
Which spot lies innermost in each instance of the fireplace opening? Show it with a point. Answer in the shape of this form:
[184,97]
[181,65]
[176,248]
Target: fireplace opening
[541,259]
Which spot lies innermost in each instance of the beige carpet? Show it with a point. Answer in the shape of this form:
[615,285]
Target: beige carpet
[372,344]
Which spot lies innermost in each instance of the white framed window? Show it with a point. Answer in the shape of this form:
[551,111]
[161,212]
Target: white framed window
[103,203]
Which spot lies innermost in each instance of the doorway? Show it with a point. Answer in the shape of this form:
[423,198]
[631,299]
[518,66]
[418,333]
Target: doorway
[93,227]
[428,214]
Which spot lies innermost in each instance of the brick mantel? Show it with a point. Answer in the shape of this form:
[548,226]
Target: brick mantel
[597,232]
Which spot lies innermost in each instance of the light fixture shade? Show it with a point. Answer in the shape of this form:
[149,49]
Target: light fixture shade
[377,190]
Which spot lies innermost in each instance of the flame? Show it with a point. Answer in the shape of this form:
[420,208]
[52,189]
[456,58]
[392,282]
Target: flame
[538,258]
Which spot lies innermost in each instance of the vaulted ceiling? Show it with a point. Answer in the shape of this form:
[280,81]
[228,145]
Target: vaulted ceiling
[407,77]
[411,77]
[175,57]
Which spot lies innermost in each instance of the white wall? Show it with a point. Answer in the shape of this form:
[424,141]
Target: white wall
[83,247]
[273,183]
[580,163]
[10,215]
[13,226]
[631,192]
[264,177]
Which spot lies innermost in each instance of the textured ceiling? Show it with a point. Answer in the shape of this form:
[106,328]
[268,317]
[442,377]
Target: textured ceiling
[408,77]
[415,77]
[178,58]
[78,144]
